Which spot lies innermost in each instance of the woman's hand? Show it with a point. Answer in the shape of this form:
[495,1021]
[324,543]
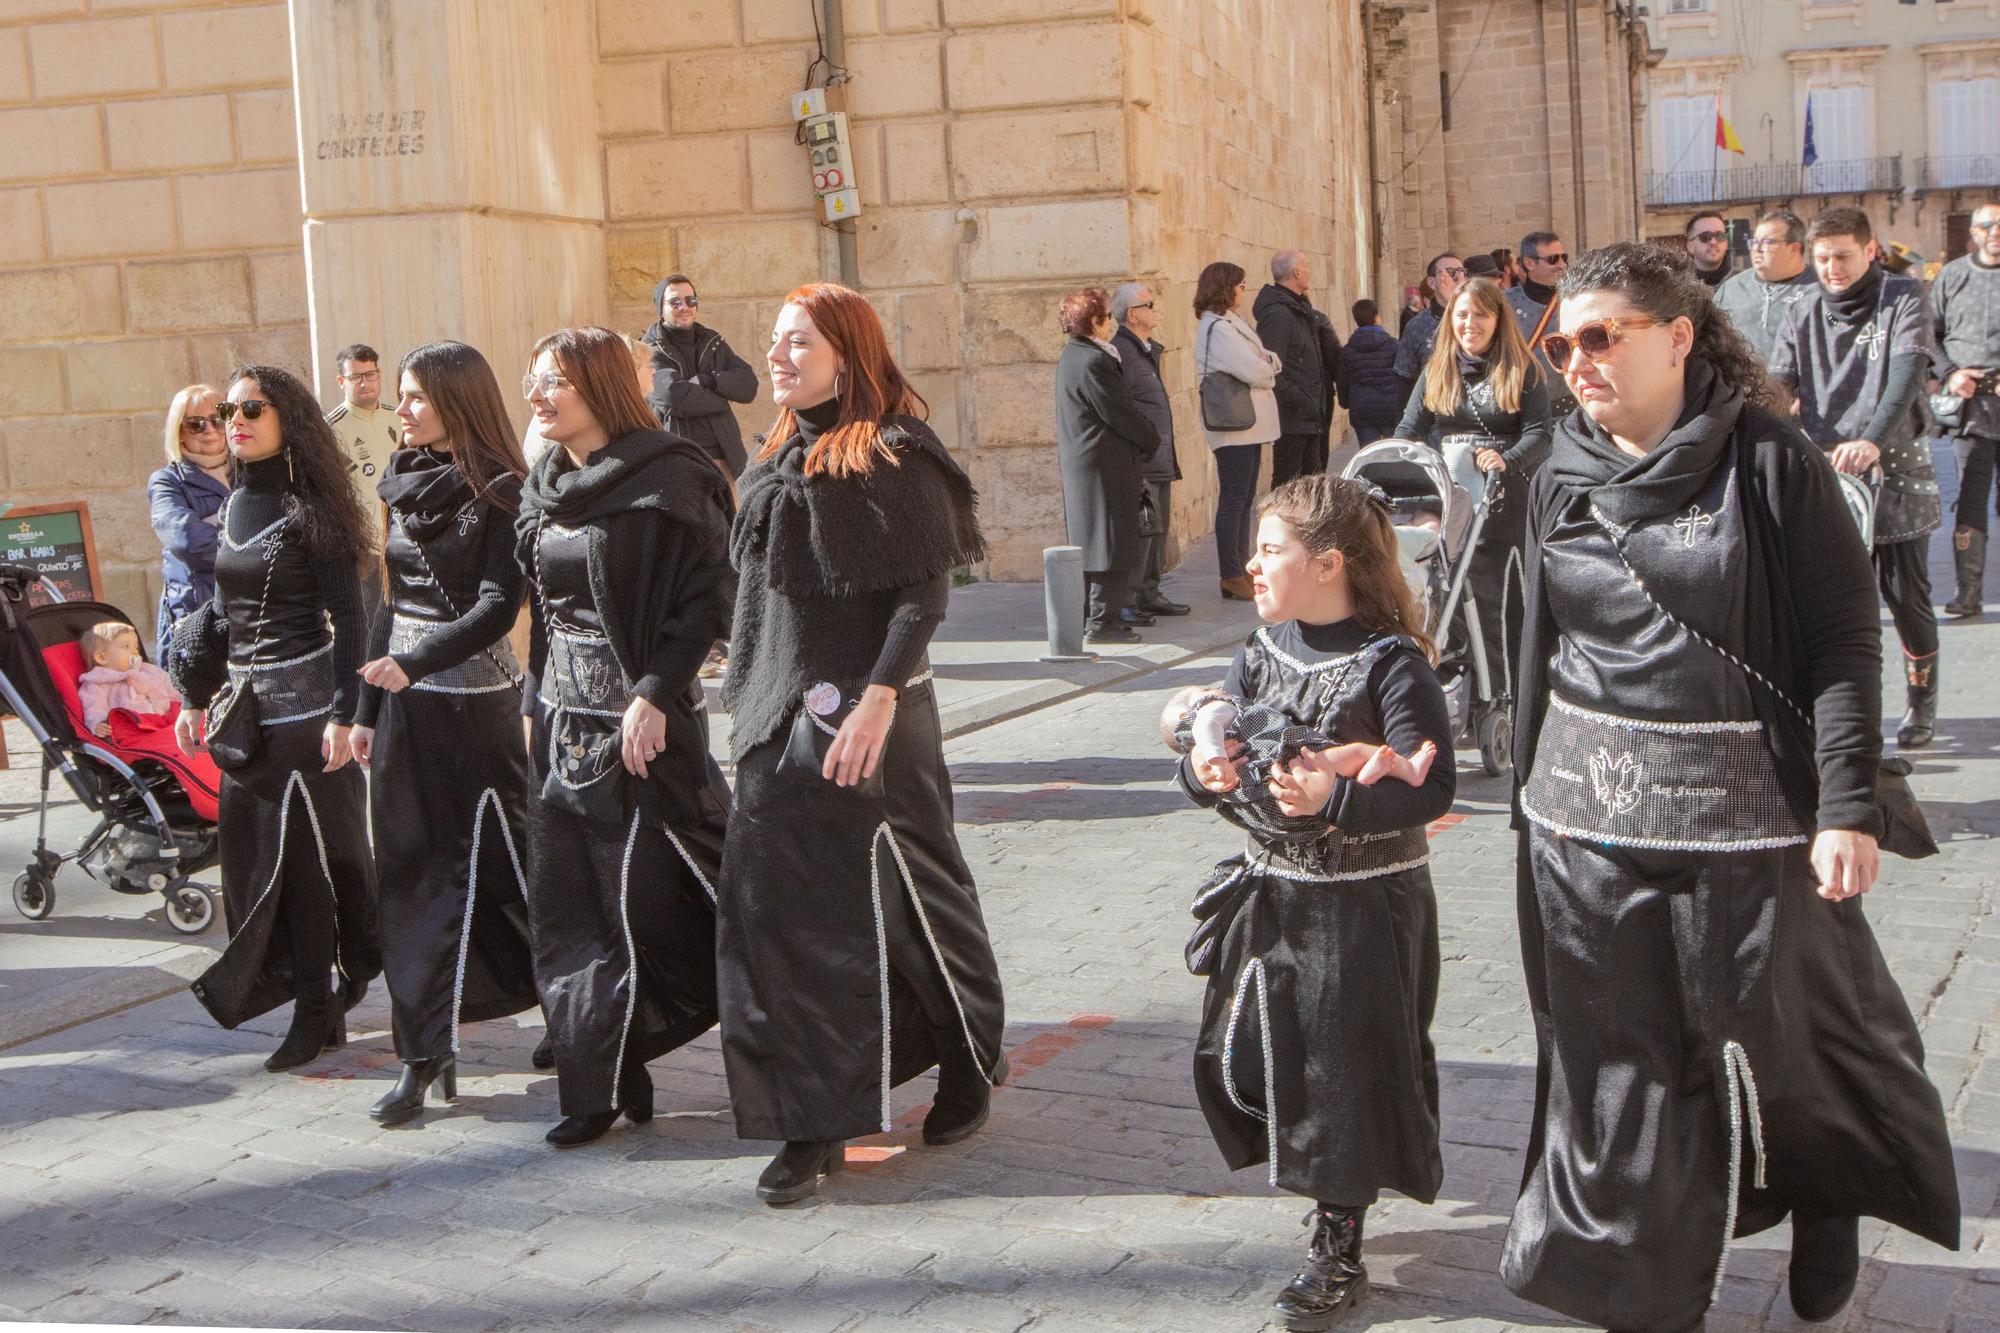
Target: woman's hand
[645,734]
[361,740]
[1846,863]
[189,731]
[334,747]
[1303,786]
[856,751]
[385,673]
[1489,460]
[1855,456]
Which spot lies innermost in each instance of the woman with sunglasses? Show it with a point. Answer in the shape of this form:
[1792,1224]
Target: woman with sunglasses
[1482,391]
[624,538]
[439,728]
[280,645]
[1721,1043]
[186,500]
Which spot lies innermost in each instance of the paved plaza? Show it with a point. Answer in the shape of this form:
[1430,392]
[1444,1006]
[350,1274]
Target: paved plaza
[151,1172]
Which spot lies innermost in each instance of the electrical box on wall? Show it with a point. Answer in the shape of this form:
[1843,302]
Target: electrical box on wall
[830,153]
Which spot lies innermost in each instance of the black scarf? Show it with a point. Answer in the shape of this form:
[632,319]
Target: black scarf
[1471,369]
[1537,293]
[1714,277]
[1628,489]
[636,471]
[1857,304]
[424,489]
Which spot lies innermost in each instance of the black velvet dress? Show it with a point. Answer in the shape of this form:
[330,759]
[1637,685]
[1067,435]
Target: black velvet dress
[1315,1053]
[852,950]
[629,558]
[298,882]
[449,776]
[1719,1045]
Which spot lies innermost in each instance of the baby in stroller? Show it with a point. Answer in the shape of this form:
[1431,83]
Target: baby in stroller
[118,677]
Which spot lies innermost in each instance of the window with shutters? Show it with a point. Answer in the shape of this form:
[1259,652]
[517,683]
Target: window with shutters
[1965,131]
[1683,147]
[1841,134]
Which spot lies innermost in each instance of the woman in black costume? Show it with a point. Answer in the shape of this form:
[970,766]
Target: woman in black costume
[624,536]
[852,952]
[1320,940]
[439,727]
[1721,1042]
[280,644]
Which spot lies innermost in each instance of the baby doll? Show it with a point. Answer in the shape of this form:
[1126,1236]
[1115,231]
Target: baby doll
[117,676]
[1211,719]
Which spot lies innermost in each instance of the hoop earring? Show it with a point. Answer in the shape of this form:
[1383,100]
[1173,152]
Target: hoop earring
[290,477]
[839,380]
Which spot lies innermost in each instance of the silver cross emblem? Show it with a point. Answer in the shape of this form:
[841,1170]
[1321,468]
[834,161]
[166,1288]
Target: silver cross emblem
[1871,340]
[1691,523]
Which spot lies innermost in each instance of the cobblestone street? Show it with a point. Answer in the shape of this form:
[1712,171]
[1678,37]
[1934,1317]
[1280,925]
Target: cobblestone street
[151,1172]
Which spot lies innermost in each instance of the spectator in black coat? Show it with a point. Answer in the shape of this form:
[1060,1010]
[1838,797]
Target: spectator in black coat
[1103,440]
[1137,314]
[1309,349]
[1368,385]
[696,376]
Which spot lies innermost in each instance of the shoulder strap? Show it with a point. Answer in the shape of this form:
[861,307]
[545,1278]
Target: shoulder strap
[1536,337]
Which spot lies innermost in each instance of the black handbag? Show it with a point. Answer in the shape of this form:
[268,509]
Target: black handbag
[814,725]
[587,775]
[1226,404]
[233,728]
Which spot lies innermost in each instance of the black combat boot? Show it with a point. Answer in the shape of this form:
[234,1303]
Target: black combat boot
[1333,1280]
[1968,558]
[1920,722]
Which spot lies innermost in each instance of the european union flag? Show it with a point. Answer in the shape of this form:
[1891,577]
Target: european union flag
[1811,153]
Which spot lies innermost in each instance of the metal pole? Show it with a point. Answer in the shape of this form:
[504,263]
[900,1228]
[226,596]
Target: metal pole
[1062,599]
[1374,212]
[1582,241]
[843,231]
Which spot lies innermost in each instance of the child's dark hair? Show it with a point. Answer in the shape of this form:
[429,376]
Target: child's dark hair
[1336,514]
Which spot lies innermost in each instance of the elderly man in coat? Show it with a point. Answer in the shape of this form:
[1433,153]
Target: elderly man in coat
[1132,305]
[1103,441]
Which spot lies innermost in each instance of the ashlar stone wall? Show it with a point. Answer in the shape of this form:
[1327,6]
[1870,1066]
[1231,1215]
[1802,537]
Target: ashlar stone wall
[149,238]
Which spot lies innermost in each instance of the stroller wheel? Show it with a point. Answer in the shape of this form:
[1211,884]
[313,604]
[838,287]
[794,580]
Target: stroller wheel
[34,897]
[190,909]
[1496,742]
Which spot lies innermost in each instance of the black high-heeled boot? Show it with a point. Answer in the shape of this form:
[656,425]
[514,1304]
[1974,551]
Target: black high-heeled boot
[1826,1261]
[635,1102]
[406,1100]
[797,1170]
[1333,1280]
[317,1025]
[964,1096]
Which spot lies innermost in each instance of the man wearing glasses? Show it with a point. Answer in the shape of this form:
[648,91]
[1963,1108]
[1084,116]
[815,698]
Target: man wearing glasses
[696,376]
[1965,312]
[368,434]
[1758,299]
[1446,275]
[1708,246]
[1543,263]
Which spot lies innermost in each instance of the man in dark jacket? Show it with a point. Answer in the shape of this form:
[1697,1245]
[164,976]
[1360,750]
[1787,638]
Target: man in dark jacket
[1139,356]
[1309,349]
[696,376]
[1446,275]
[1368,383]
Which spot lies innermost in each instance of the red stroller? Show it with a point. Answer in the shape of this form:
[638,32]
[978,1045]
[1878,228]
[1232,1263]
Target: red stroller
[155,807]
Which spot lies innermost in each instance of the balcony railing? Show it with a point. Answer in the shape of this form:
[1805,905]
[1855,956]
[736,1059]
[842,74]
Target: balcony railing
[1775,180]
[1971,171]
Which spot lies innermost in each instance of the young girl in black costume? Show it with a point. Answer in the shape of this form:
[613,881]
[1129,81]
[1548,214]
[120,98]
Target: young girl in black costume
[439,727]
[1320,946]
[280,644]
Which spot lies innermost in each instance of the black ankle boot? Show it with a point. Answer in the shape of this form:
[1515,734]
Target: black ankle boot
[1968,558]
[1333,1280]
[964,1097]
[406,1100]
[635,1094]
[316,1026]
[545,1052]
[576,1130]
[1920,722]
[795,1173]
[1826,1260]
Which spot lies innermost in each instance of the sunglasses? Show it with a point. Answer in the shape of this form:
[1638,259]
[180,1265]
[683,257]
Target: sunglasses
[676,303]
[196,425]
[1452,272]
[1558,257]
[545,383]
[1595,339]
[1709,237]
[251,408]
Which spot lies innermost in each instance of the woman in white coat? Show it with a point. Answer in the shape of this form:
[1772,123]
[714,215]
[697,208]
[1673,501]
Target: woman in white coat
[1226,344]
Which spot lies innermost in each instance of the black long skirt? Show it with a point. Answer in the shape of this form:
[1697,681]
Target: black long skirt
[1700,1013]
[624,935]
[448,791]
[850,941]
[1315,1052]
[294,840]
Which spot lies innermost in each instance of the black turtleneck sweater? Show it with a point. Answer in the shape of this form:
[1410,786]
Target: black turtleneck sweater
[294,617]
[1714,277]
[1537,293]
[918,609]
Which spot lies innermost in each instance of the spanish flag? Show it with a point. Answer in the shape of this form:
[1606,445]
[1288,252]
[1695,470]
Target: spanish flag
[1725,135]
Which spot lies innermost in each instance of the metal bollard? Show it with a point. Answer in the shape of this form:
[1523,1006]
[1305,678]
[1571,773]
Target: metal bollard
[1062,598]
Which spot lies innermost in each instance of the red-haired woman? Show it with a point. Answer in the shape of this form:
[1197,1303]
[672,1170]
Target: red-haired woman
[624,535]
[851,954]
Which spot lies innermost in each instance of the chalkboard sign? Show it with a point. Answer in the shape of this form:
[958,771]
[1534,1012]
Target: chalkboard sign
[57,541]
